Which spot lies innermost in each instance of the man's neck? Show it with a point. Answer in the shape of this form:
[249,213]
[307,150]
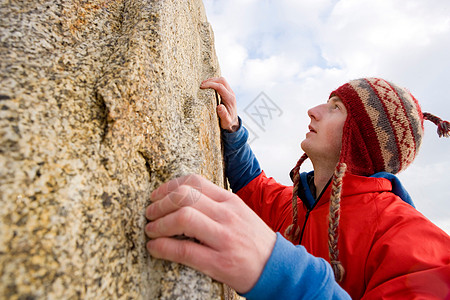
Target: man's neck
[322,176]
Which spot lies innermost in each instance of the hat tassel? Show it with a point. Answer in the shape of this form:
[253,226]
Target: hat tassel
[443,127]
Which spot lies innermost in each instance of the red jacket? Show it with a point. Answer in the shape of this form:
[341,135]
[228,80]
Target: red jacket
[388,249]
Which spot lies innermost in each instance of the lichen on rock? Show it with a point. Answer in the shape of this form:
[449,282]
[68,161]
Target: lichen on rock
[99,104]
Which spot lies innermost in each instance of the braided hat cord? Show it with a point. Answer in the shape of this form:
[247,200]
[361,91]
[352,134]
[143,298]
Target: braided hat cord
[443,129]
[333,221]
[293,230]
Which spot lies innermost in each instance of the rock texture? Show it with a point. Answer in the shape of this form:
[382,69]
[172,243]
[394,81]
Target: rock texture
[99,104]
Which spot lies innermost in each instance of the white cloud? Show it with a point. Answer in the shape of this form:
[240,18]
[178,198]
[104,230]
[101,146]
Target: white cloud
[386,37]
[298,51]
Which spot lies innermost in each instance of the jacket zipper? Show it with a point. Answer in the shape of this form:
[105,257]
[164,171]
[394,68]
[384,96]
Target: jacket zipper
[310,209]
[304,225]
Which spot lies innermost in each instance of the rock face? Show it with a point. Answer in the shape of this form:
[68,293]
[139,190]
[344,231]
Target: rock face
[99,104]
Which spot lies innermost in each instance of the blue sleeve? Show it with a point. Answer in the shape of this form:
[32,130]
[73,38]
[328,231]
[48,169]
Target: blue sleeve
[241,165]
[292,273]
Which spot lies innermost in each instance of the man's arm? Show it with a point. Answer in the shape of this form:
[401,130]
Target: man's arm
[269,199]
[235,246]
[292,273]
[241,165]
[410,256]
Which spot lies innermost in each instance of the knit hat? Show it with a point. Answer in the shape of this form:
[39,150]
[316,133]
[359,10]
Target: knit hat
[383,132]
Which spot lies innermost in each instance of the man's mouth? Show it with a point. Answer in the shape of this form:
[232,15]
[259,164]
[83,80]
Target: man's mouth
[311,129]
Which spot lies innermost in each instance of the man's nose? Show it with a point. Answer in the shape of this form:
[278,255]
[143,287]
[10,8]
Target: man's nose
[314,112]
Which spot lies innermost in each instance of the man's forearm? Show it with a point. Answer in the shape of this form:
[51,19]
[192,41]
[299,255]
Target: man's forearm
[241,165]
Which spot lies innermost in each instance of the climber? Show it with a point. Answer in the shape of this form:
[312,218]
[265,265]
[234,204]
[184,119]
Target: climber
[347,229]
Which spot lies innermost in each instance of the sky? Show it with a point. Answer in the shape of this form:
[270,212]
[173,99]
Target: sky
[283,57]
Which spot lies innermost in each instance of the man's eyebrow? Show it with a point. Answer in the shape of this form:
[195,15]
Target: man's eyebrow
[334,99]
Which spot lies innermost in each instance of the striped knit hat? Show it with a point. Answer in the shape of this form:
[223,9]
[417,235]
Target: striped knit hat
[383,132]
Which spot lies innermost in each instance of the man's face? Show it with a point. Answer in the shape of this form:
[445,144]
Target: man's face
[324,139]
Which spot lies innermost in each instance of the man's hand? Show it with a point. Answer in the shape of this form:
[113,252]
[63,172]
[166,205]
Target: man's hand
[227,111]
[233,245]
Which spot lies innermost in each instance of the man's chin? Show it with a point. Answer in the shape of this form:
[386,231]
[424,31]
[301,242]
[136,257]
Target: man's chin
[304,145]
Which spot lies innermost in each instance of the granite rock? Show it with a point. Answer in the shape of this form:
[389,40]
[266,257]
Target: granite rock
[100,104]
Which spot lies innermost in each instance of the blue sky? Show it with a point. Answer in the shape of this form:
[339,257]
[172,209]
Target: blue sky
[296,52]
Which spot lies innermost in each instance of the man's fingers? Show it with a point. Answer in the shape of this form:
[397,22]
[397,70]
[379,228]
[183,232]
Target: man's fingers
[223,88]
[224,115]
[183,197]
[225,93]
[220,80]
[197,182]
[223,81]
[189,222]
[186,252]
[177,199]
[172,186]
[227,110]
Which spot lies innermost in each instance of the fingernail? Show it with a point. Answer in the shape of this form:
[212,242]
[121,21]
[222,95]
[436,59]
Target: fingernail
[148,212]
[149,246]
[152,195]
[148,228]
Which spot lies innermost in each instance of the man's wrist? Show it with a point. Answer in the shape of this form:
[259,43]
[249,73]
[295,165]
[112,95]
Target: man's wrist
[234,127]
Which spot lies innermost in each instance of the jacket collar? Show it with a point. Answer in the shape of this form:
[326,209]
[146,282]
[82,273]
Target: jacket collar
[352,185]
